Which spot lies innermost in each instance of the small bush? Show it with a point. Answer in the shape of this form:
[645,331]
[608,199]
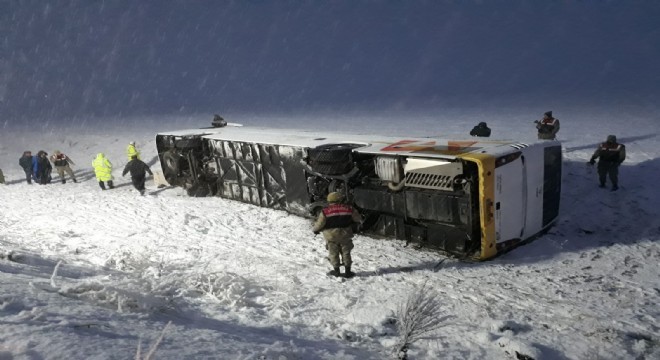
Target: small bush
[419,316]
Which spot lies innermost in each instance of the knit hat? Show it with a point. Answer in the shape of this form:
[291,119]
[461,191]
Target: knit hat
[611,138]
[548,113]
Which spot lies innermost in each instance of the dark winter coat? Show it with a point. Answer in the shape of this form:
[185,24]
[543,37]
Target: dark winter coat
[26,163]
[42,167]
[481,130]
[137,168]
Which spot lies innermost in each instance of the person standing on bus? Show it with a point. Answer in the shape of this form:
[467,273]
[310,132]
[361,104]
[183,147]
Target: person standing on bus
[336,222]
[481,130]
[610,155]
[547,127]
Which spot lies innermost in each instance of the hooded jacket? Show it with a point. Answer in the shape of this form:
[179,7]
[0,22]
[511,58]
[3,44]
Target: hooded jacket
[102,168]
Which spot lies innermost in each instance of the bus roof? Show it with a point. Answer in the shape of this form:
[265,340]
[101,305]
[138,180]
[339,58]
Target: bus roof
[431,147]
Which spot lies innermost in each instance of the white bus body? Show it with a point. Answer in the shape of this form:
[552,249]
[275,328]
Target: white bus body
[472,198]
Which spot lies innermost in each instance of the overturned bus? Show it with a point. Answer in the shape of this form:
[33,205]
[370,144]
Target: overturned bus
[469,198]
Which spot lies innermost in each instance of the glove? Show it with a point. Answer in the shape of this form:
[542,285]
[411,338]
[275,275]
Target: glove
[591,162]
[316,232]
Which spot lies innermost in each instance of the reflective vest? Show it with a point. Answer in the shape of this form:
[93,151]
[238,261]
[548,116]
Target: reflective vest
[338,216]
[60,160]
[546,126]
[610,152]
[132,151]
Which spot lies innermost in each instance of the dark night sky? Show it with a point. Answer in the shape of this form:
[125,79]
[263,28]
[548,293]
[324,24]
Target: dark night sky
[115,58]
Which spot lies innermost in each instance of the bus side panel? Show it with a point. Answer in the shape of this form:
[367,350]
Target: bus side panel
[265,175]
[509,200]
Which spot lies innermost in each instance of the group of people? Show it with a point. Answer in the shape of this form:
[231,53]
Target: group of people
[135,166]
[39,168]
[610,154]
[547,128]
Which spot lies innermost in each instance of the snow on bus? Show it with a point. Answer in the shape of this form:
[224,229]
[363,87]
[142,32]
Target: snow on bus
[472,199]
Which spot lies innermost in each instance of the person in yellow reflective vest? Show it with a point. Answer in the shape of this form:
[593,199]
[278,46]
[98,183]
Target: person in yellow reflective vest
[131,151]
[103,170]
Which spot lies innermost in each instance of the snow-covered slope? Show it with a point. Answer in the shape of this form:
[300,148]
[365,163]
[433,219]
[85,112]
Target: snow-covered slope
[87,274]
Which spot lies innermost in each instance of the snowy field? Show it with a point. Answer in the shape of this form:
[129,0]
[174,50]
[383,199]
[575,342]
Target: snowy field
[86,274]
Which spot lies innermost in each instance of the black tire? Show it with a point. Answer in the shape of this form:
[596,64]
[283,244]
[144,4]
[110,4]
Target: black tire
[331,153]
[171,163]
[331,168]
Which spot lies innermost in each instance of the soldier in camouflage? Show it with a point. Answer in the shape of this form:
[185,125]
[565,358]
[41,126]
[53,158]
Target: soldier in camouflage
[336,222]
[610,155]
[547,127]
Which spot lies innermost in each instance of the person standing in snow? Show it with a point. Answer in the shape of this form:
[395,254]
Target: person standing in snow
[103,170]
[2,177]
[61,162]
[42,168]
[547,127]
[131,151]
[336,222]
[481,130]
[610,155]
[138,170]
[26,163]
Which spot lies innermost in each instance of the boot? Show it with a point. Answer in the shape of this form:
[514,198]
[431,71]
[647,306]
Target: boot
[348,274]
[602,185]
[110,184]
[102,185]
[615,187]
[74,180]
[63,181]
[334,272]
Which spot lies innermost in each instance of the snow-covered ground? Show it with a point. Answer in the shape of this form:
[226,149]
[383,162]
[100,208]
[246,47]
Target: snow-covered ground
[87,274]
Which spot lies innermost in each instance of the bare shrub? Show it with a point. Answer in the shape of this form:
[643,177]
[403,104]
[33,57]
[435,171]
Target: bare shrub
[152,350]
[419,316]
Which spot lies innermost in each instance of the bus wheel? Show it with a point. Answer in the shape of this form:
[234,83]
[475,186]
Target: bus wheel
[331,153]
